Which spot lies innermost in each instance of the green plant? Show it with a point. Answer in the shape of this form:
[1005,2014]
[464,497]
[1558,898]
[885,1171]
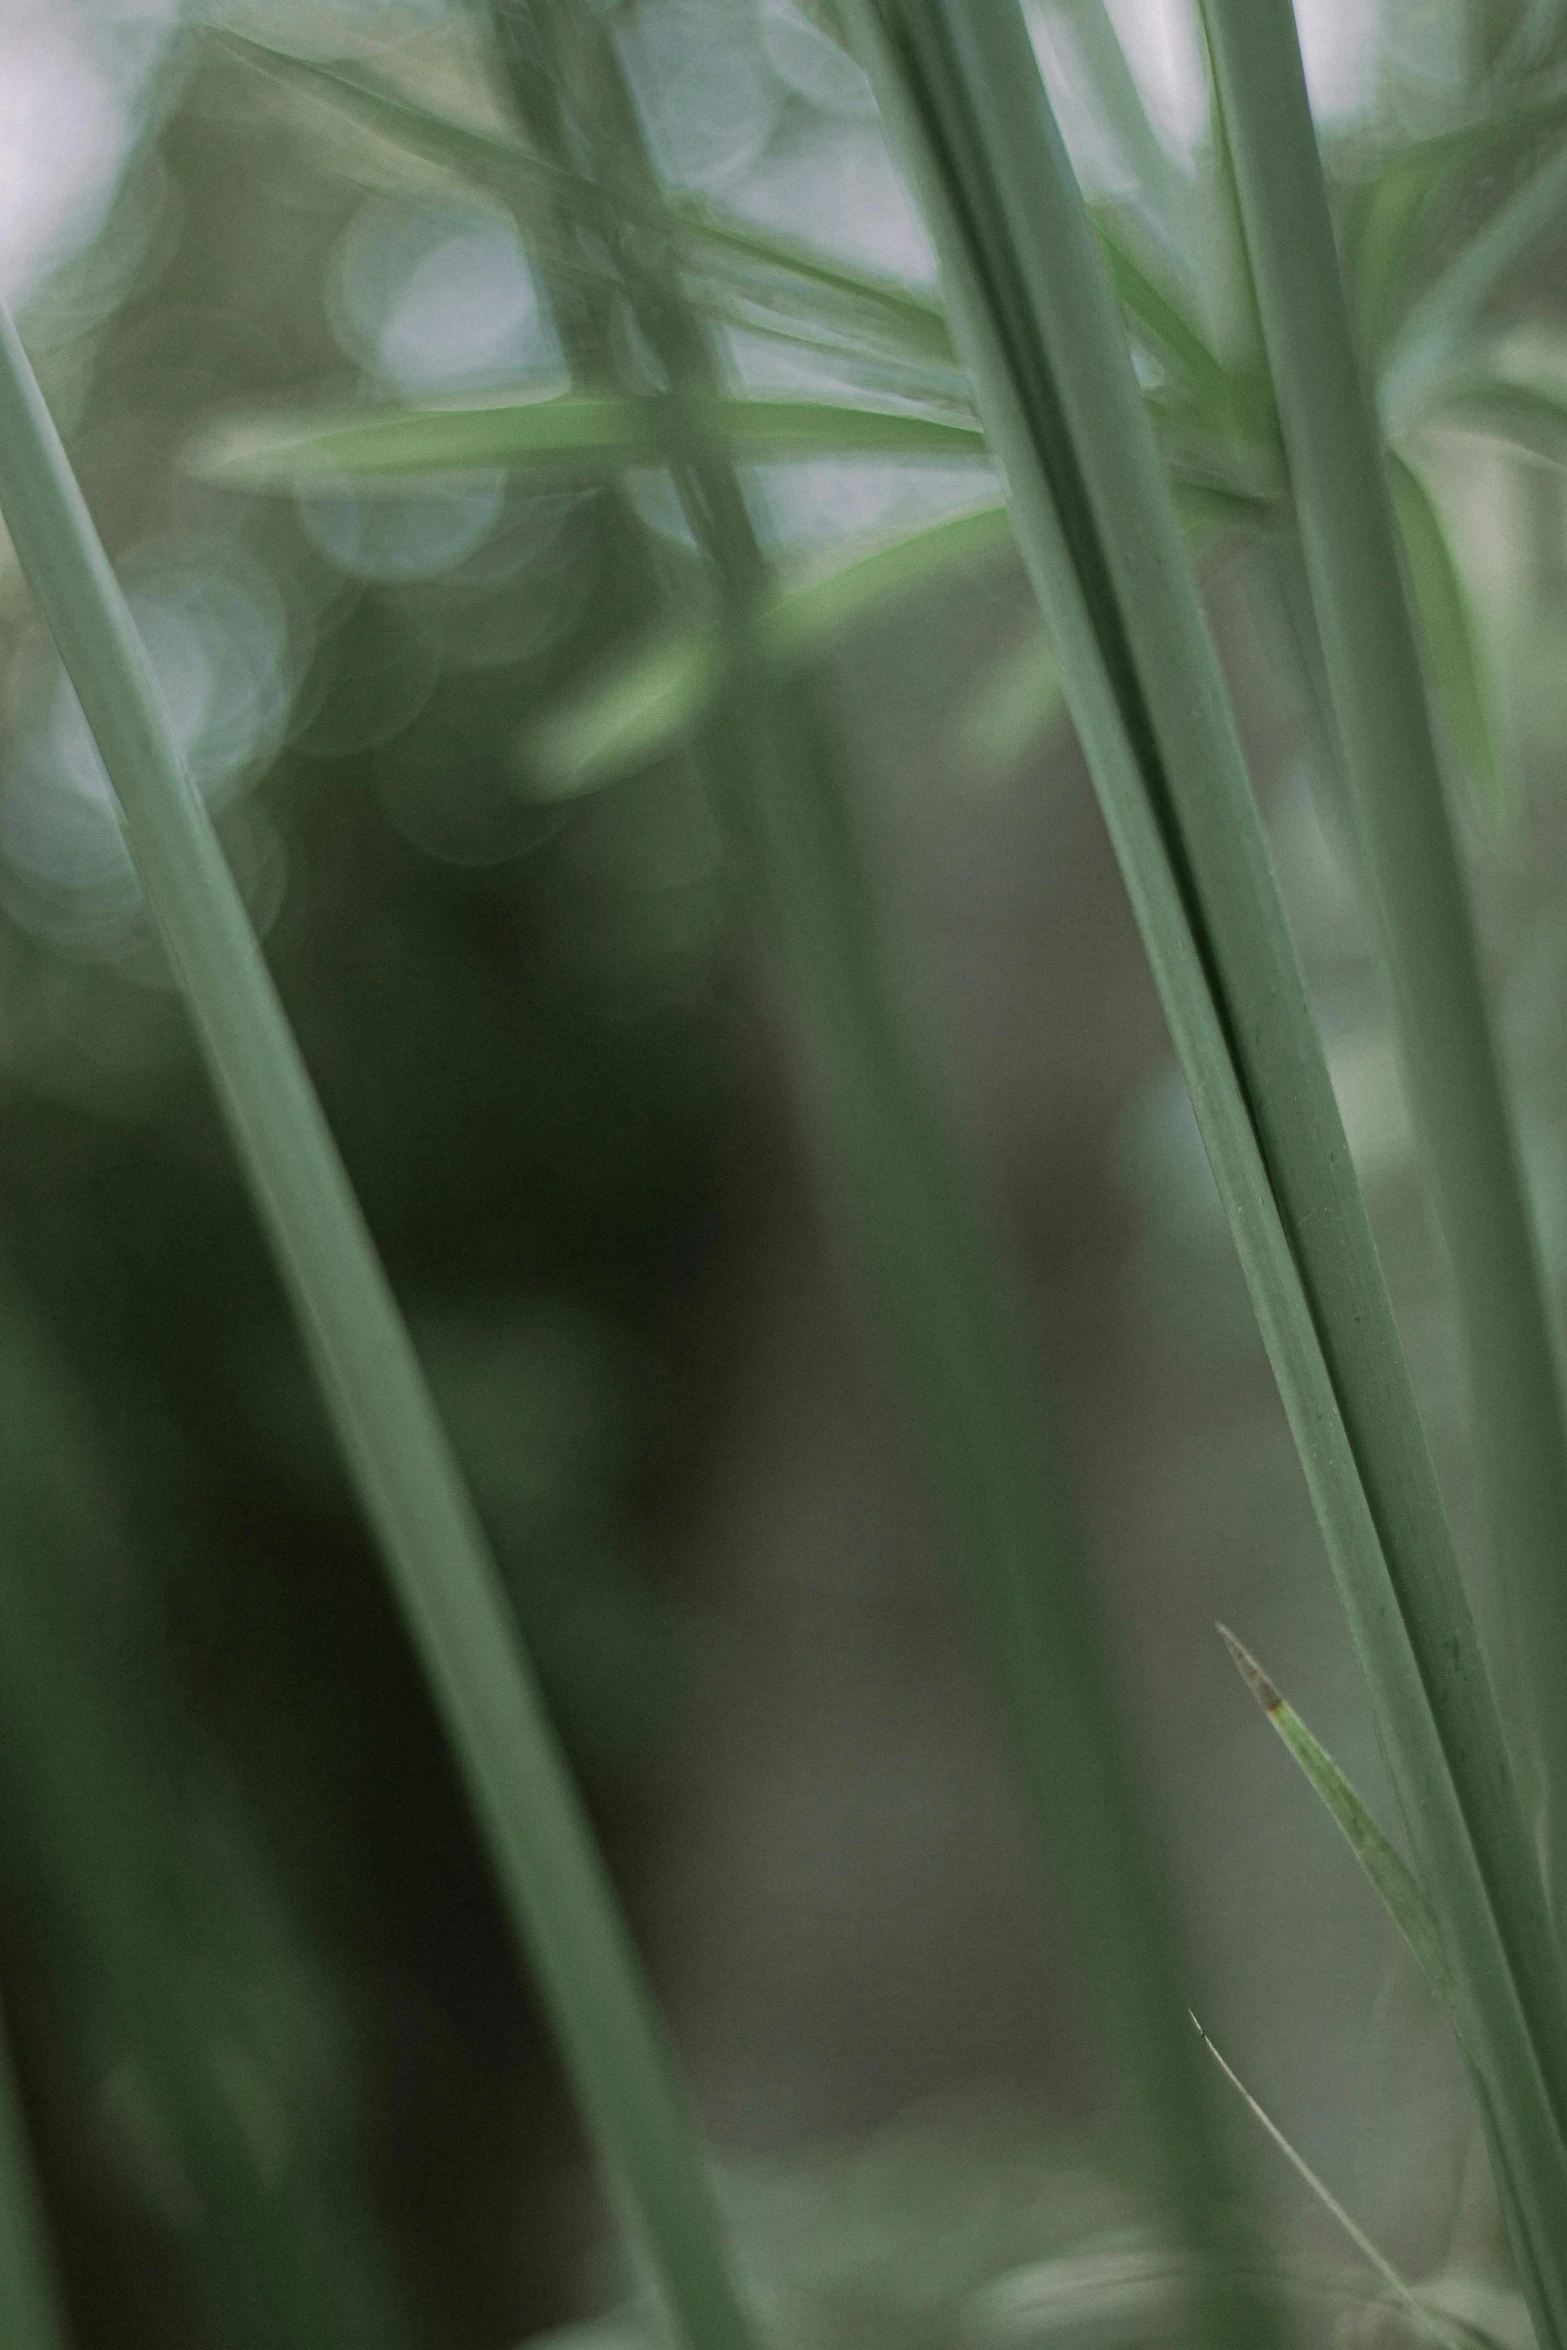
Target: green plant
[1112,488]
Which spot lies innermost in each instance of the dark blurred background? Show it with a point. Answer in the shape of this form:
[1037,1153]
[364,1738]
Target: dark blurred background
[246,1933]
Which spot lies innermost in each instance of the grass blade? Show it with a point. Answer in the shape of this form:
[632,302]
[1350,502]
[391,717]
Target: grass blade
[1059,401]
[1455,658]
[578,436]
[29,2309]
[633,709]
[1426,2320]
[550,1873]
[1390,1873]
[944,1287]
[1455,1087]
[713,242]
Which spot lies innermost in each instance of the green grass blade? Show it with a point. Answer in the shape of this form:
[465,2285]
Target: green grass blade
[1455,658]
[577,436]
[30,2316]
[1059,401]
[634,708]
[943,1286]
[1394,1880]
[1450,1064]
[1426,2321]
[549,1870]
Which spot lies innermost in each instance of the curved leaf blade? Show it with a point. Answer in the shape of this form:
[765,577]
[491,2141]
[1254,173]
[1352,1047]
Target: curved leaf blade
[573,437]
[637,706]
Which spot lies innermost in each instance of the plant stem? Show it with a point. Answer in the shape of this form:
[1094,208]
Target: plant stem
[943,1280]
[1410,855]
[550,1873]
[1059,400]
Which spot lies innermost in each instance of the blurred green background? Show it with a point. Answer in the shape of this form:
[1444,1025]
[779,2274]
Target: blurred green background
[284,2076]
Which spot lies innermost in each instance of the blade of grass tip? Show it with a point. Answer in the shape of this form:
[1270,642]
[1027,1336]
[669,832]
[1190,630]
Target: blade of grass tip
[1059,400]
[1428,2321]
[945,1286]
[549,1870]
[1389,1872]
[1460,1107]
[30,2316]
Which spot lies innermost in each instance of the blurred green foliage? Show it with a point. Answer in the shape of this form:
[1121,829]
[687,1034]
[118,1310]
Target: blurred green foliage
[284,2079]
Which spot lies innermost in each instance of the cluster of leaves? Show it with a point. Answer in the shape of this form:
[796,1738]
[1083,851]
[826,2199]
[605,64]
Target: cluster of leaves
[1435,231]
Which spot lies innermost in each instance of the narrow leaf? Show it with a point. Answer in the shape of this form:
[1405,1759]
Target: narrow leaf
[549,1870]
[1059,401]
[945,1290]
[1427,2321]
[632,709]
[577,436]
[1460,1110]
[1389,1872]
[1159,322]
[742,254]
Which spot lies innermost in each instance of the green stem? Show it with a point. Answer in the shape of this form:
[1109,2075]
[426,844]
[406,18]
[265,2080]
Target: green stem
[943,1280]
[1410,855]
[550,1872]
[1059,401]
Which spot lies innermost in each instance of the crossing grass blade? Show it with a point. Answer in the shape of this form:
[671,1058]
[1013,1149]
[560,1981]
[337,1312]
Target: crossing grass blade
[1389,1872]
[574,437]
[939,1279]
[29,2307]
[1427,2322]
[718,248]
[1459,1103]
[1059,401]
[550,1873]
[633,708]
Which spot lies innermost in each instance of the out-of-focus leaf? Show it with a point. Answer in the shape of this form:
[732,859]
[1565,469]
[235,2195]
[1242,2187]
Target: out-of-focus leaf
[1455,657]
[1529,415]
[580,436]
[1431,336]
[747,259]
[1018,696]
[636,706]
[1158,320]
[1386,220]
